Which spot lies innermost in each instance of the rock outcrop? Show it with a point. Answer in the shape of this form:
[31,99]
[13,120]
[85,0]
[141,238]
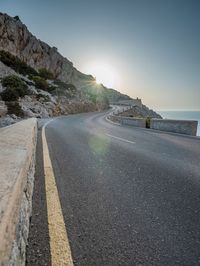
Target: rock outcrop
[16,39]
[141,111]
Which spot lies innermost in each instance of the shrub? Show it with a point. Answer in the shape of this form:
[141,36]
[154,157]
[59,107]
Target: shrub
[71,87]
[65,86]
[50,89]
[17,64]
[9,95]
[40,83]
[17,18]
[66,89]
[148,122]
[15,88]
[45,98]
[46,74]
[13,81]
[39,95]
[14,108]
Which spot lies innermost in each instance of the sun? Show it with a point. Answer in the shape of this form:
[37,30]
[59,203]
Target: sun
[104,73]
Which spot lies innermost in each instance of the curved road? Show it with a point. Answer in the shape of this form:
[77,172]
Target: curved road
[129,196]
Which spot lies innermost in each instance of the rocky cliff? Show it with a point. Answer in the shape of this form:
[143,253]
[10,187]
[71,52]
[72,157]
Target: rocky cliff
[141,111]
[16,39]
[37,81]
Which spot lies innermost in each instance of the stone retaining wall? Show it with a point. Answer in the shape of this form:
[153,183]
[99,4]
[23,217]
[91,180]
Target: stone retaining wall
[17,164]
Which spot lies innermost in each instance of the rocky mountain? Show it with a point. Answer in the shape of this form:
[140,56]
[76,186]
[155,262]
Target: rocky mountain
[37,81]
[17,40]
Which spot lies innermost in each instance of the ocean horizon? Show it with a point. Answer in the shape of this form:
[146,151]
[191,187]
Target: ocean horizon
[182,115]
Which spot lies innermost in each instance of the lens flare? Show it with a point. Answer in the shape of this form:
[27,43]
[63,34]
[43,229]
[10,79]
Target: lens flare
[104,74]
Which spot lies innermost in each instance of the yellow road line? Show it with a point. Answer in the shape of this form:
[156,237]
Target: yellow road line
[59,243]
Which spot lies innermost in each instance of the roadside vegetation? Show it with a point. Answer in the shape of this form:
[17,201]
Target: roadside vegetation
[14,108]
[45,74]
[15,88]
[64,89]
[148,122]
[16,64]
[39,77]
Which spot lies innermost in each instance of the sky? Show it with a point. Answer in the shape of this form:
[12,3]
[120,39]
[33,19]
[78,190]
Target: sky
[147,48]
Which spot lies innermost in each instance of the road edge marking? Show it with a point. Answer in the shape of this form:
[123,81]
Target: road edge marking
[124,140]
[59,243]
[110,121]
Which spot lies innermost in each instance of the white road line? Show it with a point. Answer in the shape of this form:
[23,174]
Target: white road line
[59,243]
[124,140]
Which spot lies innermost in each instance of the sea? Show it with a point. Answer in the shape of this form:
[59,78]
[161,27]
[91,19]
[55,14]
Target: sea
[182,115]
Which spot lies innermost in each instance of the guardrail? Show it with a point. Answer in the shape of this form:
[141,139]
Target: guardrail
[17,163]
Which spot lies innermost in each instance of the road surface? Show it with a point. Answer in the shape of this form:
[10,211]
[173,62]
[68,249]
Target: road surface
[129,196]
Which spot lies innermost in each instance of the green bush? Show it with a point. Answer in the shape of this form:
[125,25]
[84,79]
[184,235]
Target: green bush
[51,88]
[40,83]
[9,95]
[17,18]
[148,122]
[65,86]
[14,108]
[44,97]
[46,74]
[13,81]
[66,89]
[15,88]
[17,64]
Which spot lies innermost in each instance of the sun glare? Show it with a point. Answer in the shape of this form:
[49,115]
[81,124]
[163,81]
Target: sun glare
[104,74]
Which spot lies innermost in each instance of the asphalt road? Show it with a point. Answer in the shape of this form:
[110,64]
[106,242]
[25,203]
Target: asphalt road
[129,196]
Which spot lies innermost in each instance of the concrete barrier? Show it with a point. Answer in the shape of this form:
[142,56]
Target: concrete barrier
[17,164]
[136,122]
[187,127]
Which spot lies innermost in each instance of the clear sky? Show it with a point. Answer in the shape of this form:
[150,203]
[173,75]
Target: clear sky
[152,47]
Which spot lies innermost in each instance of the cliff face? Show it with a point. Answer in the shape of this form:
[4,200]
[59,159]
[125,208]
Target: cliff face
[67,91]
[16,39]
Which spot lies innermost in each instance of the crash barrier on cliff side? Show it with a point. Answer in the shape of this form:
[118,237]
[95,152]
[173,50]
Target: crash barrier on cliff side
[187,127]
[17,164]
[137,122]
